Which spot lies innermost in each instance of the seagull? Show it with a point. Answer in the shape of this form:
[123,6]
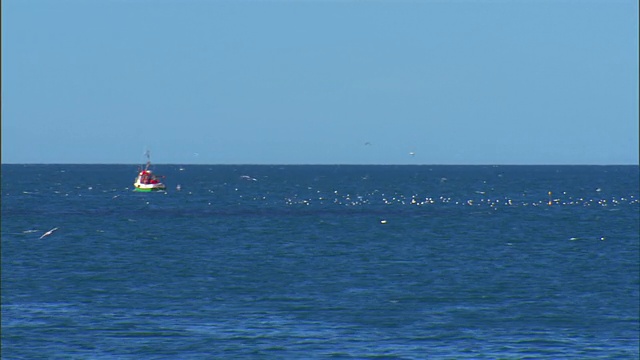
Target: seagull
[48,233]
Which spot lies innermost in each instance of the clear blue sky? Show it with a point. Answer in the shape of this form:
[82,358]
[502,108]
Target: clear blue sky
[320,82]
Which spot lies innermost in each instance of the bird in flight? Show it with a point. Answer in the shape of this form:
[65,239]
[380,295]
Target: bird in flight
[48,233]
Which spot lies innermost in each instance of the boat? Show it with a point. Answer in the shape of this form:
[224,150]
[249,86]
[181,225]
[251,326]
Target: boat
[147,181]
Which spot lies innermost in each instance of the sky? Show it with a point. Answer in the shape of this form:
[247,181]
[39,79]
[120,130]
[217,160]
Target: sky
[320,82]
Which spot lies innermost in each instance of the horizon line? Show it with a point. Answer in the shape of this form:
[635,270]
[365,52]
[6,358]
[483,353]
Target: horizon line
[328,164]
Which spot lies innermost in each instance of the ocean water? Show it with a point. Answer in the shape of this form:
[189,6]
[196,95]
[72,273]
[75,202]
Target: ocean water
[314,262]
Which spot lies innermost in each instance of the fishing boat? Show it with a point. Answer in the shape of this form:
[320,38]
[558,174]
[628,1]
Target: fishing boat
[147,181]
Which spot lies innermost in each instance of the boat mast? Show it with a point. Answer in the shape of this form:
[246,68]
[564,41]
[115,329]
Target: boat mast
[148,155]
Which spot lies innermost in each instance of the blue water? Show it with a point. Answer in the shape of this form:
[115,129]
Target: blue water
[298,262]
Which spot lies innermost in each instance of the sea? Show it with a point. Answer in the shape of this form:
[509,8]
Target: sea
[321,262]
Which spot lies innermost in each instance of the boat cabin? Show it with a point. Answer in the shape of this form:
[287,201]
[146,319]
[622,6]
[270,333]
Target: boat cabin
[147,177]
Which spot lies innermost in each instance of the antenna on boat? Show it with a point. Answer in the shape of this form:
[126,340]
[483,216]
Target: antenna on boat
[144,152]
[148,156]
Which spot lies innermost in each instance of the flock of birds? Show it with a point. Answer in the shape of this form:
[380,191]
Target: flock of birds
[419,200]
[380,198]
